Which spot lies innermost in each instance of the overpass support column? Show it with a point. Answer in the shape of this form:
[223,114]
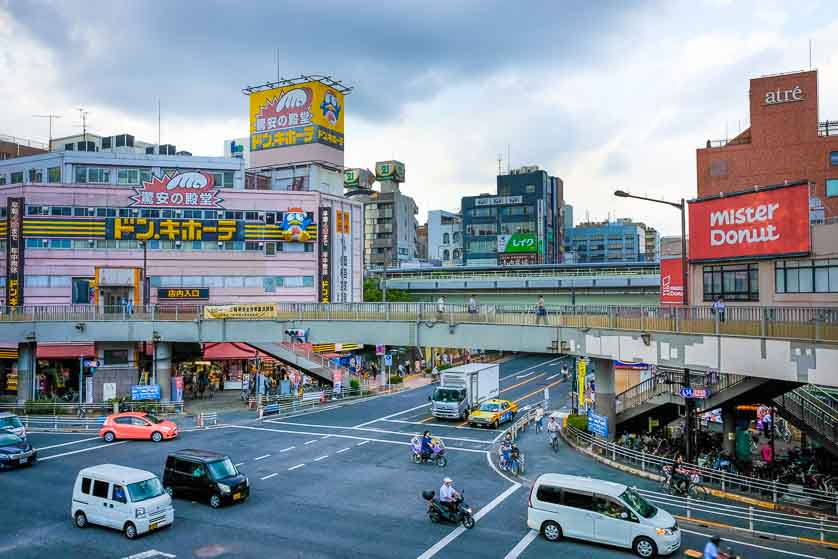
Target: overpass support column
[163,369]
[729,430]
[25,366]
[606,397]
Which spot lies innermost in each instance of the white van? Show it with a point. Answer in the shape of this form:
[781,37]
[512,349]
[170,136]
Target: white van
[602,512]
[127,499]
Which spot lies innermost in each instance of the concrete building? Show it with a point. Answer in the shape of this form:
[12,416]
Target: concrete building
[445,237]
[652,241]
[12,146]
[622,240]
[239,148]
[567,217]
[119,143]
[520,225]
[390,215]
[422,242]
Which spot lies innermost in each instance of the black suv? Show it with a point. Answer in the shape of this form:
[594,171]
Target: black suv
[205,475]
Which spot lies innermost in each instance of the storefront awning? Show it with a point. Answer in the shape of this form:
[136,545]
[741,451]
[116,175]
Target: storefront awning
[65,351]
[8,351]
[225,350]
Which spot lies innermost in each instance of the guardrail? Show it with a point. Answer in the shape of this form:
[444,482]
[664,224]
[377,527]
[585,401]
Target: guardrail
[774,491]
[803,323]
[35,407]
[281,405]
[58,423]
[669,382]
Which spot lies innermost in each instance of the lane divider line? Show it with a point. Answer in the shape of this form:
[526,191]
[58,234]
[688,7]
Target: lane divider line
[782,537]
[309,442]
[551,377]
[321,458]
[342,450]
[526,375]
[393,415]
[238,464]
[287,449]
[69,443]
[542,364]
[368,430]
[295,467]
[269,476]
[362,443]
[40,459]
[738,542]
[522,545]
[261,457]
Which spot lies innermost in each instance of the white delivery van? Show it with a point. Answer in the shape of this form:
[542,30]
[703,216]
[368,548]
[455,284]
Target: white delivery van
[123,498]
[461,389]
[600,511]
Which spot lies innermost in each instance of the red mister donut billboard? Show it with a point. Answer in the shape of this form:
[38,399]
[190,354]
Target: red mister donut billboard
[762,223]
[672,281]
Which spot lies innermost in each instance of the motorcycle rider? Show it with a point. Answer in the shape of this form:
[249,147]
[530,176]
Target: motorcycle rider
[711,550]
[680,475]
[449,496]
[427,440]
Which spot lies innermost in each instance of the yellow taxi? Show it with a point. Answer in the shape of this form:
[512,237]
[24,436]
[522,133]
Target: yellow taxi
[492,413]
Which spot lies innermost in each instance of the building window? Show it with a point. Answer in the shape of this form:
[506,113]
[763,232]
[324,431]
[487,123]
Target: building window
[456,254]
[483,212]
[2,179]
[734,283]
[54,174]
[36,175]
[93,175]
[518,227]
[806,276]
[81,291]
[446,255]
[831,188]
[833,158]
[223,179]
[456,236]
[517,210]
[529,189]
[17,178]
[445,238]
[483,246]
[504,190]
[116,357]
[128,176]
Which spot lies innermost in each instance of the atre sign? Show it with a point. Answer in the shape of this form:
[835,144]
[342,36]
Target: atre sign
[769,222]
[784,96]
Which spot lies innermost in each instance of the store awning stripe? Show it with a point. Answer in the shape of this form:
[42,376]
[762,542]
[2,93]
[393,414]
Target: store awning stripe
[8,354]
[65,351]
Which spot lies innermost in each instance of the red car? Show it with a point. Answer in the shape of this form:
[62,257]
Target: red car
[133,425]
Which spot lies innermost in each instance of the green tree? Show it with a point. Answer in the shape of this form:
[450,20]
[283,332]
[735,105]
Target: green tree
[372,293]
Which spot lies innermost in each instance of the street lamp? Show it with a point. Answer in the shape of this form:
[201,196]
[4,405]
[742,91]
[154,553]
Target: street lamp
[682,206]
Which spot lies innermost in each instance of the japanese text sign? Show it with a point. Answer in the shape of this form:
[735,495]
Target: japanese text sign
[769,222]
[324,264]
[517,242]
[14,252]
[192,189]
[145,229]
[182,293]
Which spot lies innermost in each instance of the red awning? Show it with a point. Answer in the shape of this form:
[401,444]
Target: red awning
[224,350]
[65,351]
[331,355]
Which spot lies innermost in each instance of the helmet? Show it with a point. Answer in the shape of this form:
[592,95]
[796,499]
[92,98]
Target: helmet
[716,540]
[448,480]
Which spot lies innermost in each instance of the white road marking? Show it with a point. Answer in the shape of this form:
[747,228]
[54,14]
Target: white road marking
[239,464]
[321,458]
[501,474]
[368,429]
[522,545]
[41,459]
[526,375]
[552,377]
[342,450]
[438,546]
[287,449]
[309,442]
[261,457]
[362,443]
[737,542]
[295,467]
[269,476]
[150,553]
[544,364]
[435,425]
[364,439]
[392,415]
[69,443]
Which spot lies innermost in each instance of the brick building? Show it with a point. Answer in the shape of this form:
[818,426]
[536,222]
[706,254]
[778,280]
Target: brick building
[785,142]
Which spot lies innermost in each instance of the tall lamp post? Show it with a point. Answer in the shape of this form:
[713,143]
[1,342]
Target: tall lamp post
[682,206]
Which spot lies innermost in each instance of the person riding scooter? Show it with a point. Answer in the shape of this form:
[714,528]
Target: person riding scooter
[427,441]
[449,496]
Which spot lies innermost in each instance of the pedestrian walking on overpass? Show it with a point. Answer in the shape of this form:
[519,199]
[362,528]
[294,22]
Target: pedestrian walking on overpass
[540,310]
[719,309]
[472,305]
[440,307]
[539,418]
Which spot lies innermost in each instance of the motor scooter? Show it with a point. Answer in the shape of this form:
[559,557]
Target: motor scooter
[437,455]
[439,512]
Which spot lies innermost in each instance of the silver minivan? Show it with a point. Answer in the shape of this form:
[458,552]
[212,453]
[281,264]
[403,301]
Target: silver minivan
[600,511]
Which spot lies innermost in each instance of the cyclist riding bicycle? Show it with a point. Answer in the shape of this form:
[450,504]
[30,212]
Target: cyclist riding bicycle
[553,430]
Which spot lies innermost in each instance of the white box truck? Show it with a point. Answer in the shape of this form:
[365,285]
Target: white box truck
[461,389]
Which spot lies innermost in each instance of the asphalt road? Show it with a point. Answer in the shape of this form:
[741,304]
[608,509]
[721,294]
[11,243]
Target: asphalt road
[335,483]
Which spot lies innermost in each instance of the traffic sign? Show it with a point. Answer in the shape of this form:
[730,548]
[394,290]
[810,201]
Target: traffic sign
[693,393]
[92,363]
[388,360]
[598,424]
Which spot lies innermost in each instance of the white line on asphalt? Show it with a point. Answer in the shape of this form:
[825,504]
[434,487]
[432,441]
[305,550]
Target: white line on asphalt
[342,450]
[261,457]
[239,464]
[545,363]
[269,476]
[41,459]
[150,553]
[365,439]
[321,458]
[392,415]
[287,449]
[362,443]
[526,375]
[438,546]
[501,474]
[552,377]
[435,425]
[309,442]
[368,429]
[737,542]
[295,467]
[522,545]
[69,443]
[33,431]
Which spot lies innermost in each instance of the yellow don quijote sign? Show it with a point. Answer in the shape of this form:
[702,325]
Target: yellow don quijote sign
[305,113]
[239,311]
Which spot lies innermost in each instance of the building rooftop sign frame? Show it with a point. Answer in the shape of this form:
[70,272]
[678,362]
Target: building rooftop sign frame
[290,82]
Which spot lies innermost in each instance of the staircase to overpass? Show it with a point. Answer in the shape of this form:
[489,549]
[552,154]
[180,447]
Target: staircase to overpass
[303,357]
[814,411]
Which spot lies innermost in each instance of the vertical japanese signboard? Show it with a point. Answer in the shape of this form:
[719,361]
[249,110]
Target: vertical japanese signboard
[14,252]
[324,255]
[342,246]
[581,369]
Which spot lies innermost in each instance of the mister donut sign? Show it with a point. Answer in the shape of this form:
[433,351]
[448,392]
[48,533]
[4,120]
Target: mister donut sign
[768,222]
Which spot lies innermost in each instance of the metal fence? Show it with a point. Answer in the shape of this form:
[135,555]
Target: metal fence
[59,423]
[67,409]
[281,405]
[773,491]
[804,323]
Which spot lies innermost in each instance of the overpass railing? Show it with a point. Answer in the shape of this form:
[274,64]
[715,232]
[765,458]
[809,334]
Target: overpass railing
[670,382]
[518,274]
[803,323]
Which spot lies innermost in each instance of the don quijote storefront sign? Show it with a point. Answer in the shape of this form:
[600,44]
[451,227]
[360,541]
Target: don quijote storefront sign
[192,189]
[14,252]
[773,221]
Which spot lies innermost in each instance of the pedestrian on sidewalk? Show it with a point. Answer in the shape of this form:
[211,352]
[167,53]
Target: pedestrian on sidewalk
[540,310]
[472,305]
[440,308]
[719,309]
[539,418]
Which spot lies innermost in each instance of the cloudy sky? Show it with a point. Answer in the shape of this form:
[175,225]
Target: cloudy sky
[602,94]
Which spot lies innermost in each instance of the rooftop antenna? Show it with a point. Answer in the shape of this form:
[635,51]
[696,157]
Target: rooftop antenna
[810,54]
[158,126]
[83,115]
[508,160]
[277,64]
[500,160]
[51,117]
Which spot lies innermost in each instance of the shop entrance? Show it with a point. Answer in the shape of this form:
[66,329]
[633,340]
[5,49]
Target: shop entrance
[113,296]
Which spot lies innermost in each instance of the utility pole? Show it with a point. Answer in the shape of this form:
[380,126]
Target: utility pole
[51,117]
[688,405]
